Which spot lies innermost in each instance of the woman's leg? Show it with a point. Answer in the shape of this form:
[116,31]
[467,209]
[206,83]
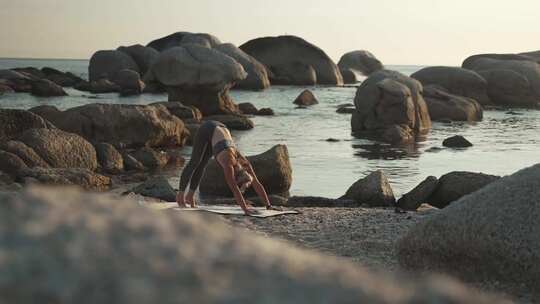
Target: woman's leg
[197,174]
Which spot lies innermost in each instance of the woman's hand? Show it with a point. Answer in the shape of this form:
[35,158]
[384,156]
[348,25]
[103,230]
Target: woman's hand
[270,207]
[190,200]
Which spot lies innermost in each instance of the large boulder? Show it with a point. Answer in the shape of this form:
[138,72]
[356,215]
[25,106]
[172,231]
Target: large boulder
[183,38]
[390,107]
[24,152]
[419,195]
[200,77]
[110,250]
[143,56]
[257,76]
[14,122]
[349,76]
[490,235]
[457,81]
[289,58]
[81,177]
[129,81]
[110,160]
[454,185]
[61,149]
[120,125]
[373,190]
[361,62]
[445,106]
[62,79]
[272,167]
[104,64]
[46,88]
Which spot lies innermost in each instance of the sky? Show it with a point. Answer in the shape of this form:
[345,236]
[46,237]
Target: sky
[411,32]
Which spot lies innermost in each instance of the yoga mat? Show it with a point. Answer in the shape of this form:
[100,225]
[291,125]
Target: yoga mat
[224,210]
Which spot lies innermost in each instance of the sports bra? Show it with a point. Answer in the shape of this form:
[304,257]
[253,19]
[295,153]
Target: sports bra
[222,145]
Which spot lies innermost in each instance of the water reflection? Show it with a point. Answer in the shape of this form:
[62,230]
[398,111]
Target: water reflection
[387,152]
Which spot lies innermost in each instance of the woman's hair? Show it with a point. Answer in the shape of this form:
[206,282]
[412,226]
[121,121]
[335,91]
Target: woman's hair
[243,178]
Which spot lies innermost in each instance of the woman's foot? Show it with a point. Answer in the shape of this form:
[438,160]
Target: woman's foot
[180,200]
[189,200]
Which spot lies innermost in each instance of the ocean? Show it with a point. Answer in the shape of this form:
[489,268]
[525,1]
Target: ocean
[503,142]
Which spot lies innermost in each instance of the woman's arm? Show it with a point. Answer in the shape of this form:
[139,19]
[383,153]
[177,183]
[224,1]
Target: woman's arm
[228,171]
[257,186]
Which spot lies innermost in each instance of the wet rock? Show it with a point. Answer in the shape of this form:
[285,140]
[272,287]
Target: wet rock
[143,56]
[419,195]
[457,141]
[27,154]
[151,158]
[129,81]
[362,62]
[257,76]
[156,187]
[119,124]
[489,235]
[104,64]
[181,111]
[247,108]
[289,58]
[272,167]
[47,88]
[110,160]
[131,163]
[444,106]
[454,185]
[346,109]
[373,190]
[265,112]
[390,107]
[14,122]
[306,98]
[81,177]
[11,164]
[233,121]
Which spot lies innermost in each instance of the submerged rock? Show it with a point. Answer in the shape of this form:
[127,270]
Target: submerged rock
[373,190]
[100,86]
[306,98]
[454,185]
[457,141]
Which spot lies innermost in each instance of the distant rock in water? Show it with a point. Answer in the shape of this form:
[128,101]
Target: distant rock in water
[247,108]
[419,195]
[257,76]
[306,98]
[444,106]
[373,190]
[104,64]
[129,81]
[293,61]
[143,56]
[233,121]
[47,88]
[361,62]
[349,77]
[457,141]
[183,38]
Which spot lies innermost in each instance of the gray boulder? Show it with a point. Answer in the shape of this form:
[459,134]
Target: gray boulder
[291,57]
[419,195]
[444,106]
[490,235]
[373,190]
[110,160]
[183,38]
[457,81]
[200,77]
[143,56]
[361,62]
[257,77]
[153,257]
[104,64]
[272,167]
[455,185]
[156,187]
[14,122]
[47,88]
[129,81]
[390,107]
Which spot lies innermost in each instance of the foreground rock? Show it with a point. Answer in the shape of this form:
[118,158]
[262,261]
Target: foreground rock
[306,98]
[457,141]
[444,106]
[81,177]
[156,187]
[199,77]
[118,124]
[104,64]
[390,107]
[272,167]
[47,88]
[233,122]
[141,261]
[454,185]
[15,122]
[361,62]
[257,76]
[419,195]
[293,61]
[373,190]
[492,234]
[457,81]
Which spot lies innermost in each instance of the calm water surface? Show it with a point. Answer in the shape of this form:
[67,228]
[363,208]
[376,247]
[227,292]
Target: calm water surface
[503,143]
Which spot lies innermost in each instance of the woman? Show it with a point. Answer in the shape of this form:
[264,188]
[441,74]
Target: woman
[213,138]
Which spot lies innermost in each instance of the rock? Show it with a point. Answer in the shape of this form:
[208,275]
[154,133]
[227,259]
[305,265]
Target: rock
[471,61]
[14,122]
[17,81]
[5,87]
[265,112]
[247,108]
[454,185]
[31,72]
[110,160]
[82,177]
[132,164]
[104,64]
[332,140]
[362,62]
[257,76]
[156,187]
[346,109]
[272,167]
[306,98]
[27,154]
[140,259]
[100,86]
[457,141]
[181,111]
[129,81]
[490,235]
[11,164]
[318,202]
[5,179]
[119,124]
[233,121]
[143,56]
[199,77]
[47,88]
[290,58]
[61,149]
[419,195]
[151,158]
[182,38]
[62,79]
[390,107]
[349,77]
[457,81]
[444,106]
[373,190]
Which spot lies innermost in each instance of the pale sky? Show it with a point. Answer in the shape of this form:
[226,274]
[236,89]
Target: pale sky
[423,32]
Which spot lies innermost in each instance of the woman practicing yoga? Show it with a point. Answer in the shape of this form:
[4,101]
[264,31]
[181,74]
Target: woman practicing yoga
[214,138]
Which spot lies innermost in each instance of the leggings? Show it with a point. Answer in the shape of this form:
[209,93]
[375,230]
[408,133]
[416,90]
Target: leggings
[201,154]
